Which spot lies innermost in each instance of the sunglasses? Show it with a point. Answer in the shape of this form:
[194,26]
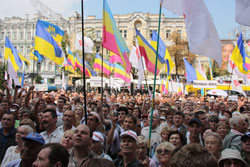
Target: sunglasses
[165,152]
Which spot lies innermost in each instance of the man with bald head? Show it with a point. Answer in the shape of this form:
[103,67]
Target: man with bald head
[80,153]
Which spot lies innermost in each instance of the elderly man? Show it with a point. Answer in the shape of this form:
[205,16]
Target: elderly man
[128,145]
[52,154]
[245,139]
[81,143]
[239,125]
[32,145]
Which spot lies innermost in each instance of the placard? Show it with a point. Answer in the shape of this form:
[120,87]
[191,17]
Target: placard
[204,84]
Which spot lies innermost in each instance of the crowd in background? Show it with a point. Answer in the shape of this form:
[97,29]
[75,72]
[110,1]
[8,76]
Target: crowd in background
[52,129]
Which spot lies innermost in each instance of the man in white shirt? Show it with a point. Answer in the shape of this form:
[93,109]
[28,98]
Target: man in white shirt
[51,133]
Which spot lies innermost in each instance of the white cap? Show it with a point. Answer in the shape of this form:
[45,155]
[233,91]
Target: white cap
[97,136]
[131,134]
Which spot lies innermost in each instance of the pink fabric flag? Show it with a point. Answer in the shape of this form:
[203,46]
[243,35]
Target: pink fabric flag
[115,58]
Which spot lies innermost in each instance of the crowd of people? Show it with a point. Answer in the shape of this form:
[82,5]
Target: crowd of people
[44,129]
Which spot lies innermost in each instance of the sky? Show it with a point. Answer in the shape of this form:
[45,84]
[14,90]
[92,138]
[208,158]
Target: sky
[222,11]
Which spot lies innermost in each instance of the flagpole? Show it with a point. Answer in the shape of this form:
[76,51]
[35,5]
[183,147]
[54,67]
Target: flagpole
[83,61]
[153,102]
[102,79]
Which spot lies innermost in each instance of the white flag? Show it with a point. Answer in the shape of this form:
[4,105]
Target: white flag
[202,36]
[236,86]
[201,70]
[88,44]
[63,81]
[242,12]
[12,73]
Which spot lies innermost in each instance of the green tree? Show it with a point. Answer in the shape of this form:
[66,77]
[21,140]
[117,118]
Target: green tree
[178,51]
[217,71]
[3,68]
[38,79]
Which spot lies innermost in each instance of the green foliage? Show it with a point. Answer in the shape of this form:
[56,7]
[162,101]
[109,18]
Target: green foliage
[38,79]
[3,68]
[217,71]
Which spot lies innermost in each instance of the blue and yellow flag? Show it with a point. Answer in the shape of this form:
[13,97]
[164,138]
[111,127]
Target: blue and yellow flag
[46,45]
[192,73]
[54,30]
[10,52]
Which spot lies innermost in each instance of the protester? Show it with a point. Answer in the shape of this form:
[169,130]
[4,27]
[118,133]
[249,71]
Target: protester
[67,139]
[213,143]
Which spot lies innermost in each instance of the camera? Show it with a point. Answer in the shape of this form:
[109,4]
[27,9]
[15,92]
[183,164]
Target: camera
[114,113]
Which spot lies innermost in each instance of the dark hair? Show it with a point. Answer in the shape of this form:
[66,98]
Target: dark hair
[123,109]
[179,113]
[98,162]
[62,98]
[183,140]
[53,112]
[57,153]
[198,113]
[132,117]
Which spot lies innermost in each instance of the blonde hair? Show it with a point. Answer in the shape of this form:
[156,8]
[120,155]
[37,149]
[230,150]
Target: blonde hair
[142,140]
[166,130]
[170,147]
[67,132]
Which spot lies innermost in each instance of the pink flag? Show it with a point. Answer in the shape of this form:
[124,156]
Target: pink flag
[115,58]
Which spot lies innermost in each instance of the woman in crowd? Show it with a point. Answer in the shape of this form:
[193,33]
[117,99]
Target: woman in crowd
[79,111]
[176,138]
[13,152]
[213,144]
[222,130]
[67,141]
[141,152]
[164,153]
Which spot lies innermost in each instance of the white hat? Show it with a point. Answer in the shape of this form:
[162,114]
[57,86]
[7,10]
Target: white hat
[97,136]
[230,154]
[130,133]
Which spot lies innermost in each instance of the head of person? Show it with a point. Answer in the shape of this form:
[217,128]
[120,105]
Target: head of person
[66,106]
[164,133]
[222,129]
[97,142]
[8,121]
[32,144]
[155,120]
[79,111]
[188,106]
[122,112]
[164,151]
[98,162]
[239,123]
[128,142]
[129,122]
[206,131]
[141,149]
[194,127]
[94,120]
[105,110]
[201,115]
[169,115]
[176,138]
[49,119]
[245,141]
[231,158]
[137,112]
[60,102]
[67,139]
[216,107]
[82,137]
[201,157]
[223,119]
[213,143]
[213,120]
[28,122]
[178,119]
[52,155]
[5,103]
[177,104]
[68,117]
[21,132]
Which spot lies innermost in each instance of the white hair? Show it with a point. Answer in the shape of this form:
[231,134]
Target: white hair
[235,120]
[28,128]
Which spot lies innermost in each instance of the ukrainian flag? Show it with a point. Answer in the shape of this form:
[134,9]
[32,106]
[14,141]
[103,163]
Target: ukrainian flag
[192,73]
[54,30]
[47,46]
[10,52]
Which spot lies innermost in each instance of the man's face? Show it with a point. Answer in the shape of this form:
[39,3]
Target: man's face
[155,121]
[8,121]
[5,105]
[66,107]
[246,144]
[92,122]
[68,117]
[203,119]
[42,158]
[96,146]
[242,126]
[48,120]
[128,124]
[60,103]
[121,115]
[188,107]
[29,150]
[81,136]
[178,120]
[217,107]
[128,145]
[194,129]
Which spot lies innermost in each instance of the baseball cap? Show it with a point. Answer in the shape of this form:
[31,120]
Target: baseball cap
[36,137]
[97,136]
[245,136]
[195,120]
[130,133]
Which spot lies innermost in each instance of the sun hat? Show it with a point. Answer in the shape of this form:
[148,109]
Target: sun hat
[230,154]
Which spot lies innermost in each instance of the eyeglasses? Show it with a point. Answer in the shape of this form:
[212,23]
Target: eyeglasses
[121,113]
[165,152]
[229,162]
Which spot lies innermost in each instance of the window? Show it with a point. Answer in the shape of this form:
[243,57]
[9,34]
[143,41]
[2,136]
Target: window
[107,51]
[28,35]
[179,32]
[121,32]
[8,34]
[14,35]
[151,33]
[21,35]
[97,48]
[21,50]
[50,66]
[2,49]
[2,35]
[98,34]
[28,50]
[125,34]
[168,33]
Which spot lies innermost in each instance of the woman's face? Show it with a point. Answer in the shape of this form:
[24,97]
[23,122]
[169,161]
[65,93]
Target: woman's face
[222,131]
[164,155]
[175,139]
[212,145]
[79,112]
[164,136]
[67,141]
[141,150]
[136,113]
[21,132]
